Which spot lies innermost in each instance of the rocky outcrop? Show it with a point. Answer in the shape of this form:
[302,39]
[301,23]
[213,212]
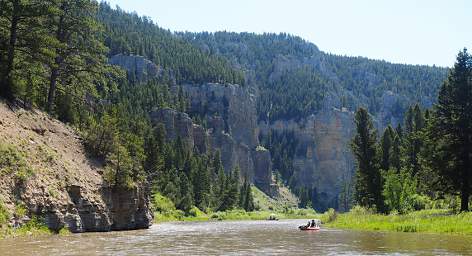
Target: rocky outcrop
[233,153]
[139,68]
[263,164]
[229,112]
[323,159]
[229,107]
[59,183]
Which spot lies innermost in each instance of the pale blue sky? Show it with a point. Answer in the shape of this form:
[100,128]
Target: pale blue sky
[402,31]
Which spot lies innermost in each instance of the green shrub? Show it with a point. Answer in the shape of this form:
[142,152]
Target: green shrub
[20,210]
[399,192]
[35,226]
[195,212]
[331,215]
[359,210]
[162,204]
[12,161]
[4,215]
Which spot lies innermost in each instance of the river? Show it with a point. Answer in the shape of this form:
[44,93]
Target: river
[239,238]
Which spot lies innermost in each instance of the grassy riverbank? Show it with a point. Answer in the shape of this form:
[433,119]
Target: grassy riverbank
[235,215]
[428,221]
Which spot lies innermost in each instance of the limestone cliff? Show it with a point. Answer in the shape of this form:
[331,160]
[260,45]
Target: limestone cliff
[323,159]
[233,152]
[51,177]
[139,68]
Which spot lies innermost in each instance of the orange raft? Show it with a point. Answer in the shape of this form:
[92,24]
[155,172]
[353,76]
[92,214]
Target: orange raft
[313,225]
[305,228]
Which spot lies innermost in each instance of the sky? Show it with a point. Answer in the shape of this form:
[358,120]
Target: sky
[429,32]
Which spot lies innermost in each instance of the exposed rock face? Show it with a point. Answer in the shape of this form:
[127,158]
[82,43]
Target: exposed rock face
[323,158]
[230,112]
[138,67]
[234,105]
[263,164]
[65,188]
[117,210]
[129,208]
[176,125]
[233,153]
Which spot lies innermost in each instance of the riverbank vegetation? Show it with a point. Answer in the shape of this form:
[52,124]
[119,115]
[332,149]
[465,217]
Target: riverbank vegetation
[427,221]
[426,164]
[264,207]
[34,227]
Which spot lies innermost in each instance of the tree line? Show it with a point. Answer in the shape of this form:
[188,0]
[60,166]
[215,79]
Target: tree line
[426,160]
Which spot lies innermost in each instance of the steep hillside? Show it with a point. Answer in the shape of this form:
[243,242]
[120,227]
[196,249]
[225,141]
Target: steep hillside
[44,169]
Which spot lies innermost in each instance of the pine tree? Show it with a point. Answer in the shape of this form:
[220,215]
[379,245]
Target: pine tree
[386,146]
[231,194]
[186,200]
[220,181]
[413,141]
[119,168]
[80,55]
[154,147]
[395,159]
[451,131]
[368,179]
[304,197]
[25,40]
[248,198]
[201,185]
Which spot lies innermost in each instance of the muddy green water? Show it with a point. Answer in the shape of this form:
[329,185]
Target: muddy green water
[239,238]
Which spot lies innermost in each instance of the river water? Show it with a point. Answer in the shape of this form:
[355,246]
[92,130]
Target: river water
[239,238]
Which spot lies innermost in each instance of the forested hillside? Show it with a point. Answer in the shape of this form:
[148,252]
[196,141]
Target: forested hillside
[294,76]
[128,33]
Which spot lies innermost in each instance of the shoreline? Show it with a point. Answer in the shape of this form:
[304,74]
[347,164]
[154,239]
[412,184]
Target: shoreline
[237,215]
[424,221]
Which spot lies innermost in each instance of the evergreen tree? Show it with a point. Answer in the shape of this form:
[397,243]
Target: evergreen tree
[154,147]
[386,146]
[451,131]
[304,197]
[395,159]
[186,200]
[368,179]
[413,141]
[23,39]
[80,59]
[231,194]
[119,168]
[248,203]
[201,185]
[220,183]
